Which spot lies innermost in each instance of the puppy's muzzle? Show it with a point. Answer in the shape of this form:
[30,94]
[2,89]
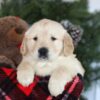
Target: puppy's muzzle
[43,53]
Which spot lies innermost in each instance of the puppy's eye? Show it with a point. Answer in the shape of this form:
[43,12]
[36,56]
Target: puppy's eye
[35,38]
[53,38]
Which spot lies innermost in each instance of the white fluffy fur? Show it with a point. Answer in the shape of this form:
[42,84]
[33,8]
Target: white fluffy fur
[61,68]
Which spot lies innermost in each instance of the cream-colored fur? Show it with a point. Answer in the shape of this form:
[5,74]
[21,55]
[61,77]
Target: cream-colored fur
[61,65]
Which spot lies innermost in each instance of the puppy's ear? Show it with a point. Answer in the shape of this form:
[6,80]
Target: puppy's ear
[68,45]
[24,48]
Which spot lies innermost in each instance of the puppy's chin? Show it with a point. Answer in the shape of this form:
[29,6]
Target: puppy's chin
[43,59]
[48,59]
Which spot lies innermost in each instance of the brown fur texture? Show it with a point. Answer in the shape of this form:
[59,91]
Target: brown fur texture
[12,30]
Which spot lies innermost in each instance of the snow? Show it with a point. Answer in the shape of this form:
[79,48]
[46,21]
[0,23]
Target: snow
[94,5]
[94,92]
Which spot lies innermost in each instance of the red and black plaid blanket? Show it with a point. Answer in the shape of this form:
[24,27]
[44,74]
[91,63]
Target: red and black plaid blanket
[10,89]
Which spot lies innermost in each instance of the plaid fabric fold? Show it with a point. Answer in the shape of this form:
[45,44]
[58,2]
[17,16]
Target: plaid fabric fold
[10,89]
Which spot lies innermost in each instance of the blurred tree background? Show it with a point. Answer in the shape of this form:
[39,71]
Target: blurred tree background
[88,50]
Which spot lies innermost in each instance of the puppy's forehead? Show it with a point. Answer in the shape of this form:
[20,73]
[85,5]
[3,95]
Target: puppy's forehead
[46,26]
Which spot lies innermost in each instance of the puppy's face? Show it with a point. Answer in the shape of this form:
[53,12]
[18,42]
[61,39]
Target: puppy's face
[46,40]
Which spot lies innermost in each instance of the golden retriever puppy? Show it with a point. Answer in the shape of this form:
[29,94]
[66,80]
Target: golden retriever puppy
[47,49]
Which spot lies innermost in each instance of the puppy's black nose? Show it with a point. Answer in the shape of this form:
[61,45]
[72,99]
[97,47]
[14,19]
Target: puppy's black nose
[43,52]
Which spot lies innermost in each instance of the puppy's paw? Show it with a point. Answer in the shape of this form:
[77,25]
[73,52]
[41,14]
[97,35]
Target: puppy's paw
[25,77]
[57,84]
[55,87]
